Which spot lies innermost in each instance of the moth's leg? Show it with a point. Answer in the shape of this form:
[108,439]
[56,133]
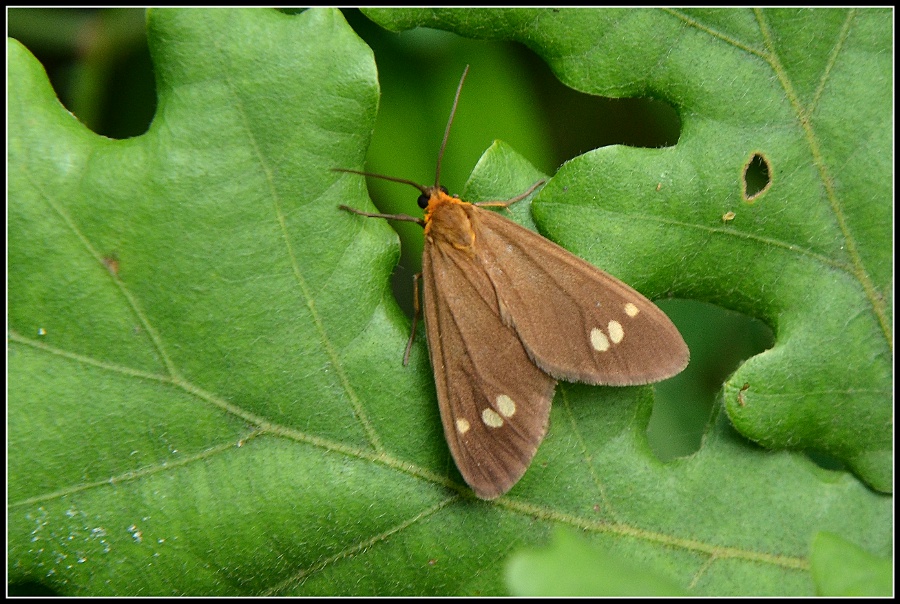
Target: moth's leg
[509,202]
[416,312]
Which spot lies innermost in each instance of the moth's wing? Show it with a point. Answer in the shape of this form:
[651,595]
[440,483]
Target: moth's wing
[577,322]
[494,401]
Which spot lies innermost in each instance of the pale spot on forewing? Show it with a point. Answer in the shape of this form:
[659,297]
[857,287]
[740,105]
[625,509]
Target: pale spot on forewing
[631,310]
[599,340]
[506,405]
[491,419]
[462,425]
[616,333]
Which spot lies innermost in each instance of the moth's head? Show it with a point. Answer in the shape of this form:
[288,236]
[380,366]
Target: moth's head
[430,193]
[431,197]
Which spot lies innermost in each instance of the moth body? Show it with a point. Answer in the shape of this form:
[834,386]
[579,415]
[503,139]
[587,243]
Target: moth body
[507,313]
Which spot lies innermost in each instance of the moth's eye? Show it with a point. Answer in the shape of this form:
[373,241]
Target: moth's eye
[423,201]
[444,190]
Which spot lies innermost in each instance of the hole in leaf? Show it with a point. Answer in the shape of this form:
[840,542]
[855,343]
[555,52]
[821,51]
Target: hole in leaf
[826,461]
[579,122]
[757,177]
[719,340]
[30,589]
[98,62]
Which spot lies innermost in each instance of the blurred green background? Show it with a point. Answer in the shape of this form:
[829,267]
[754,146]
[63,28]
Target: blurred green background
[99,64]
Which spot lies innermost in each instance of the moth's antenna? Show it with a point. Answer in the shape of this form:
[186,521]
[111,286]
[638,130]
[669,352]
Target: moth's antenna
[437,173]
[422,188]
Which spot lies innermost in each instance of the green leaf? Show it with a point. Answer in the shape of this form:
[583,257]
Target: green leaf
[843,569]
[205,388]
[570,567]
[807,90]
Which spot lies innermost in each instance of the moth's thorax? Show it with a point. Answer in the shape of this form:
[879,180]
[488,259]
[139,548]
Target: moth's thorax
[449,220]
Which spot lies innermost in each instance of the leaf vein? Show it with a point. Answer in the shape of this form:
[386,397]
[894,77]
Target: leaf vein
[857,268]
[306,293]
[357,548]
[126,293]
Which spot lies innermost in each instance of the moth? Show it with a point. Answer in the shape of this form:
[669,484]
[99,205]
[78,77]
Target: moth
[507,314]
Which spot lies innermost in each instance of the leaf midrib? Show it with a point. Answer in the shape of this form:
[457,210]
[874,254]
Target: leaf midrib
[264,427]
[769,54]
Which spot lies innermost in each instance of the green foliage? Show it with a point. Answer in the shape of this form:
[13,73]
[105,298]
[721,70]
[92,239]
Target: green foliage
[570,567]
[843,569]
[205,393]
[811,256]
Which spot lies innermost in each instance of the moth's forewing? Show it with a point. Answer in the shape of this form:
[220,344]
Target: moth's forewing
[506,311]
[494,401]
[577,322]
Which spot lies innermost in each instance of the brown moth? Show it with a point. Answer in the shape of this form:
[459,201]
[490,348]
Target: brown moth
[507,313]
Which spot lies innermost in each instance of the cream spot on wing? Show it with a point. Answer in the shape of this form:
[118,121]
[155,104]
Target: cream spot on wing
[631,310]
[491,419]
[506,405]
[599,340]
[616,333]
[462,425]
